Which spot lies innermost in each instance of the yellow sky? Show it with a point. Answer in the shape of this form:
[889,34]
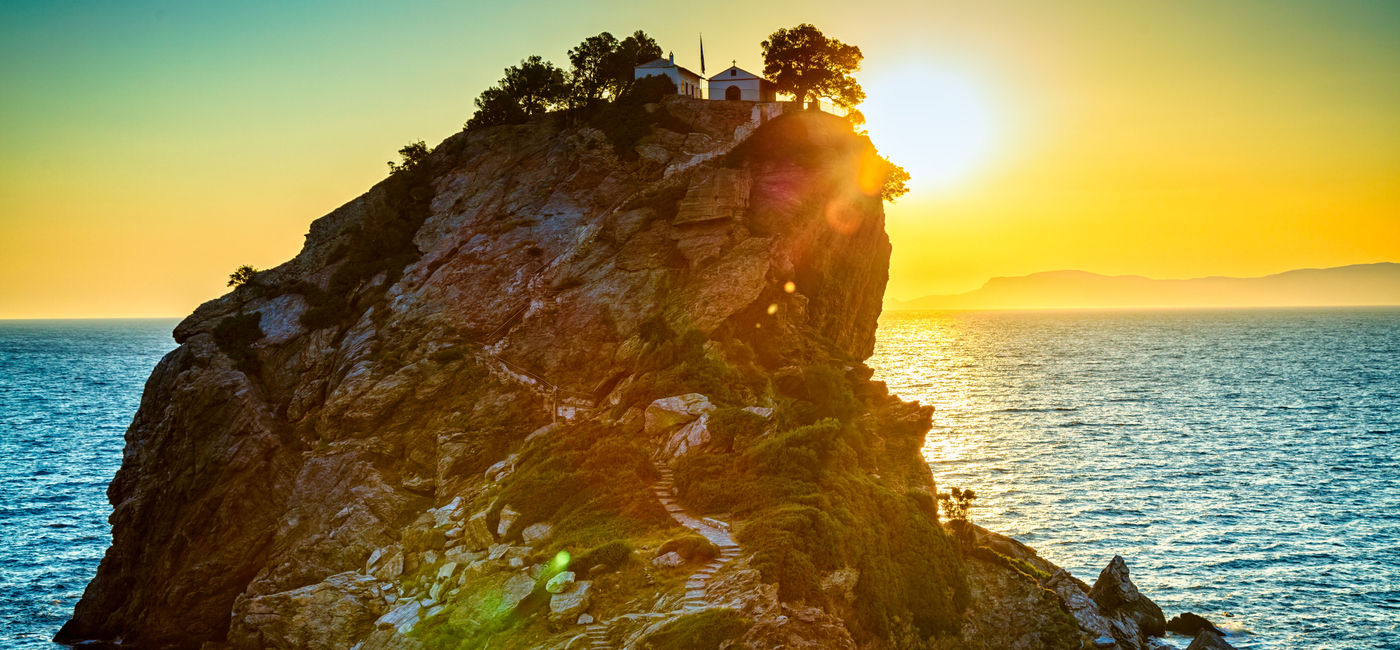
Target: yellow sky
[149,148]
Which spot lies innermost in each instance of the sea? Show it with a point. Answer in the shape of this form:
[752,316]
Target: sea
[1246,464]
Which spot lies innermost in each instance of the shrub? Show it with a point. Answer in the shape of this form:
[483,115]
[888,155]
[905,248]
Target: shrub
[626,121]
[812,507]
[693,547]
[609,554]
[704,630]
[383,243]
[732,425]
[241,276]
[235,336]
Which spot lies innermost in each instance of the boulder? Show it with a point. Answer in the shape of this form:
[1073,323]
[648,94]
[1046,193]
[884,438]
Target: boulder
[568,605]
[1188,624]
[517,588]
[444,515]
[761,411]
[1208,640]
[386,563]
[668,560]
[536,532]
[1085,611]
[447,571]
[1117,597]
[585,619]
[476,535]
[405,615]
[559,582]
[669,412]
[507,517]
[689,437]
[501,470]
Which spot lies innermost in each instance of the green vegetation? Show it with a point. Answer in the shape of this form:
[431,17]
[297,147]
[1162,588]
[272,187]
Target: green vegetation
[235,336]
[626,120]
[704,630]
[675,364]
[527,91]
[382,243]
[241,276]
[590,480]
[957,505]
[608,555]
[601,68]
[1022,566]
[803,61]
[412,156]
[691,546]
[813,507]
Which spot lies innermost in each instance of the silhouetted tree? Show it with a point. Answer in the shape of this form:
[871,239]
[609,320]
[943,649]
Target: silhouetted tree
[241,276]
[896,181]
[412,155]
[802,61]
[631,52]
[592,68]
[528,90]
[495,106]
[957,506]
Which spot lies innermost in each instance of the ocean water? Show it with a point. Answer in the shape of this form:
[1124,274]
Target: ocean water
[1246,464]
[68,390]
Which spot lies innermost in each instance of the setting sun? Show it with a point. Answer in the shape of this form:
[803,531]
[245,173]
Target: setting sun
[939,124]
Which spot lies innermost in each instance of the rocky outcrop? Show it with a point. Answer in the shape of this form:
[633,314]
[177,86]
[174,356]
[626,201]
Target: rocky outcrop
[360,446]
[1209,640]
[1188,624]
[1136,616]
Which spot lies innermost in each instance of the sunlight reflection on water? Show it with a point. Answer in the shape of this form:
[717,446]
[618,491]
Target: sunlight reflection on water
[1241,461]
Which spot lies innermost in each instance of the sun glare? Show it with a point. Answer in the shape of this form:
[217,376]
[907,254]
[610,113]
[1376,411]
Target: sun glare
[937,124]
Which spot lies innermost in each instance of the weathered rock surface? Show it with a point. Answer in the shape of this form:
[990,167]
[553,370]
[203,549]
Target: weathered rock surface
[337,481]
[667,413]
[1208,640]
[1188,624]
[1117,596]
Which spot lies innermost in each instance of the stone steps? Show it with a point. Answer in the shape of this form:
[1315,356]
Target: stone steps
[598,636]
[696,584]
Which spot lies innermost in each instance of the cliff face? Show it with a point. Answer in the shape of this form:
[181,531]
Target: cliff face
[468,368]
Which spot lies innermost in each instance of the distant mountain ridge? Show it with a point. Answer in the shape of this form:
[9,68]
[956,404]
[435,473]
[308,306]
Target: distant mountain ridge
[1357,284]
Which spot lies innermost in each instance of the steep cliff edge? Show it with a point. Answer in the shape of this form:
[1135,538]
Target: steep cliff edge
[450,417]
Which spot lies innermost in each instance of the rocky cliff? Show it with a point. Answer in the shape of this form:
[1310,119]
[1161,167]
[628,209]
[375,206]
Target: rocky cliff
[565,385]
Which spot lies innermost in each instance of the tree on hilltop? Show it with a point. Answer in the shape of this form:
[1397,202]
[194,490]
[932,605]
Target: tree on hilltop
[591,75]
[630,53]
[803,61]
[241,276]
[528,90]
[411,156]
[603,66]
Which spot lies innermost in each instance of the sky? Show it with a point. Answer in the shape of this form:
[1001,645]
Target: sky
[149,148]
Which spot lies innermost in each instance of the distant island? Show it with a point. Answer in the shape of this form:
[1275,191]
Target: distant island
[1354,285]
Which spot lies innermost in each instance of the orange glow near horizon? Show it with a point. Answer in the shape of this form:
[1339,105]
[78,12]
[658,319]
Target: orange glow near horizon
[149,149]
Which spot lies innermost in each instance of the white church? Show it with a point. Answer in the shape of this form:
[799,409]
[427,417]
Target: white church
[732,84]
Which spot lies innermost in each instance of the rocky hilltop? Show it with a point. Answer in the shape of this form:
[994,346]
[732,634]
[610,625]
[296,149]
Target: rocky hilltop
[573,386]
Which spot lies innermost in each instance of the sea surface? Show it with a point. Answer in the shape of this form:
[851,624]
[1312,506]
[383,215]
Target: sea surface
[1244,462]
[68,390]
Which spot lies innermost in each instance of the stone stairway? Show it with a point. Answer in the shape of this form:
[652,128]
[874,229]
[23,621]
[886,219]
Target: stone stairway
[715,531]
[596,634]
